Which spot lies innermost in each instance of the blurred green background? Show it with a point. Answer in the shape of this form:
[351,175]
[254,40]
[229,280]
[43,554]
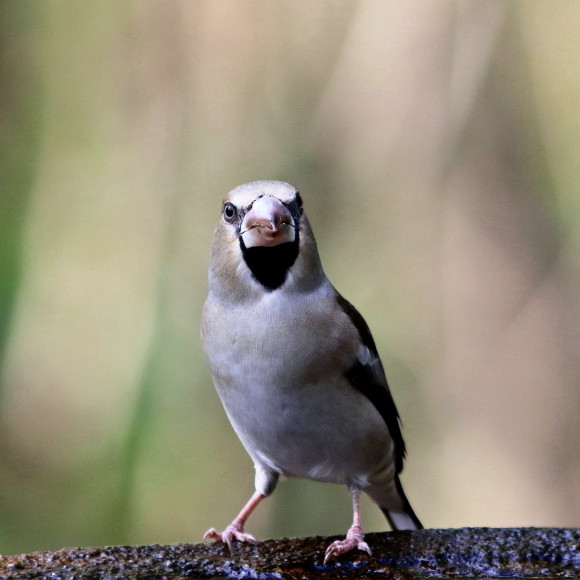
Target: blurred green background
[437,147]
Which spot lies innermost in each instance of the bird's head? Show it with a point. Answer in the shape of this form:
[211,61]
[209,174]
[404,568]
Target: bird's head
[263,241]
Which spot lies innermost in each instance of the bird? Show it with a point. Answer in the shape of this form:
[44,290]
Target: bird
[295,364]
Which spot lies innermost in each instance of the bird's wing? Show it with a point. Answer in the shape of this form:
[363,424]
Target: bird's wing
[368,376]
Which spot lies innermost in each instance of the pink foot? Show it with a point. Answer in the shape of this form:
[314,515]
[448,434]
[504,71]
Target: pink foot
[354,541]
[232,533]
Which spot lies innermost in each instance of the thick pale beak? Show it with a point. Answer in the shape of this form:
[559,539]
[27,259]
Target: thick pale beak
[268,223]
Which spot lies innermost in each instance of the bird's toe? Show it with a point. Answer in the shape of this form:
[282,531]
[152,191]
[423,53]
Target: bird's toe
[212,534]
[340,547]
[229,535]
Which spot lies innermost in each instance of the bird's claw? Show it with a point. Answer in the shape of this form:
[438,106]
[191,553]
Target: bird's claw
[231,534]
[354,541]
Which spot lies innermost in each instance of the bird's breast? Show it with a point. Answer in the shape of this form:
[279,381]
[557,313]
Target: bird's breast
[280,372]
[277,342]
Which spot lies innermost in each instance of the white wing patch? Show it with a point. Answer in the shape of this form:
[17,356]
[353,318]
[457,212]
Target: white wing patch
[365,356]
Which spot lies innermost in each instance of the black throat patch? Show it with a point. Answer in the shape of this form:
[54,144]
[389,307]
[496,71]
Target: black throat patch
[270,265]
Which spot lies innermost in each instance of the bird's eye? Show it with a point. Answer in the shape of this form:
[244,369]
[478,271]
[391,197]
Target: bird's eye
[230,212]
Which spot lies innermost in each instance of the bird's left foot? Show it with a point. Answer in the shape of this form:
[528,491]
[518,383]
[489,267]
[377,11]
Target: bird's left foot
[355,540]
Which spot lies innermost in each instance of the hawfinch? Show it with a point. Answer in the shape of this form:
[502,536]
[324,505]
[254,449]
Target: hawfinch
[295,365]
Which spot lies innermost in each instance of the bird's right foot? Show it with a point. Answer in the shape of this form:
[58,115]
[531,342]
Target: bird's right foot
[233,533]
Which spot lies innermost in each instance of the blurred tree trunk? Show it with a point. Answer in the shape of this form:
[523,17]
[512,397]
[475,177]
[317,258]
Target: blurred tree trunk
[465,553]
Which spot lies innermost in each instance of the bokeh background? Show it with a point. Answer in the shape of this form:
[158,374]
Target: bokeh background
[437,147]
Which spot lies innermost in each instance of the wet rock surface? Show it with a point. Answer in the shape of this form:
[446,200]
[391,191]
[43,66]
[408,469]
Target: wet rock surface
[451,553]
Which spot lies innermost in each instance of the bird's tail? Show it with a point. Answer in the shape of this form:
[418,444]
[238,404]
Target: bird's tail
[403,518]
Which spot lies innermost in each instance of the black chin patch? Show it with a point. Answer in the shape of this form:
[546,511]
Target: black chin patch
[270,265]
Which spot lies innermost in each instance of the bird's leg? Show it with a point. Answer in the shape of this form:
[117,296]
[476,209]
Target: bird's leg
[354,537]
[235,531]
